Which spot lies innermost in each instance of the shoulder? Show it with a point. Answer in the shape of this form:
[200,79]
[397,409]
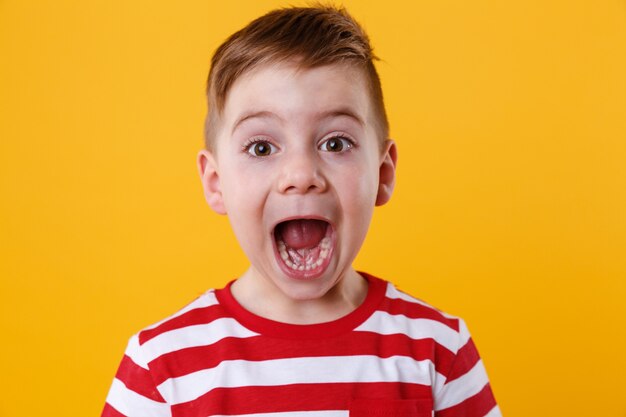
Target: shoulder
[185,316]
[202,321]
[400,302]
[400,312]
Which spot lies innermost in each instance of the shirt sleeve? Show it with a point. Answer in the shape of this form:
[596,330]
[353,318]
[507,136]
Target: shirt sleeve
[133,392]
[466,391]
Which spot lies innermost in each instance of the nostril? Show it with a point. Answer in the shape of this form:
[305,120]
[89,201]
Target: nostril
[302,181]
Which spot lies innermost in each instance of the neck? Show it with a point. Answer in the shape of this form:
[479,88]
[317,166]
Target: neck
[262,297]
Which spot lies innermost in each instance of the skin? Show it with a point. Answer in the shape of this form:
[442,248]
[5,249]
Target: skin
[301,118]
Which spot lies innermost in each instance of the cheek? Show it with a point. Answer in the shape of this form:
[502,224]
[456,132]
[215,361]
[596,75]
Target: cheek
[242,203]
[245,201]
[359,197]
[241,188]
[358,201]
[245,215]
[366,188]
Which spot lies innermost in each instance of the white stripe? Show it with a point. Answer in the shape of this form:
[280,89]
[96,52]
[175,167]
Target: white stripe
[394,294]
[464,334]
[133,348]
[384,323]
[134,353]
[205,300]
[437,384]
[495,412]
[333,413]
[333,369]
[192,336]
[132,404]
[462,388]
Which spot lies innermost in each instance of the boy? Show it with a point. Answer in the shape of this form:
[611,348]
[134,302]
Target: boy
[297,155]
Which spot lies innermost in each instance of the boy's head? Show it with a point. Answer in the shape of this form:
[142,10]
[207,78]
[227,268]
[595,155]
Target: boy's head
[310,37]
[297,152]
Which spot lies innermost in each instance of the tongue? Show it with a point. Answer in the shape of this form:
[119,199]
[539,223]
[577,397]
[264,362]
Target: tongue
[301,234]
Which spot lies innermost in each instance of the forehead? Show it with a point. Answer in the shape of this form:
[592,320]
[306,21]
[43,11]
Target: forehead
[298,95]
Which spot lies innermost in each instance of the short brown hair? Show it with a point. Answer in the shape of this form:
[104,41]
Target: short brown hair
[314,36]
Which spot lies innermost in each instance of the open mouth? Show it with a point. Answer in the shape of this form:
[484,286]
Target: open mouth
[303,246]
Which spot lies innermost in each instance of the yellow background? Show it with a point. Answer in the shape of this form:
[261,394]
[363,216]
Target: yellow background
[510,207]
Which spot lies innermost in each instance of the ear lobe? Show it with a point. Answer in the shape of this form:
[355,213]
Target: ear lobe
[209,176]
[387,173]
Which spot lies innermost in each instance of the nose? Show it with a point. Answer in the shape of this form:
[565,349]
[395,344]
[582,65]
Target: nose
[301,173]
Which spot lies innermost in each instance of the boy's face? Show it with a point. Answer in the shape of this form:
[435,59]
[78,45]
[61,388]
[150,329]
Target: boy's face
[298,168]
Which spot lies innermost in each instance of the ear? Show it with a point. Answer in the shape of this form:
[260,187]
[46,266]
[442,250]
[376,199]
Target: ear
[209,176]
[387,172]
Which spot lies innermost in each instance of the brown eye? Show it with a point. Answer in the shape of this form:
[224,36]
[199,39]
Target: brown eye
[336,144]
[261,148]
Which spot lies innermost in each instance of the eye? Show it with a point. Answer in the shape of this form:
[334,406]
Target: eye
[336,144]
[260,148]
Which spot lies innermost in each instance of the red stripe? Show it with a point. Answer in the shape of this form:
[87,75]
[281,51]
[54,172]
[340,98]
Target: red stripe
[109,411]
[465,360]
[397,306]
[202,315]
[260,348]
[137,379]
[297,397]
[476,406]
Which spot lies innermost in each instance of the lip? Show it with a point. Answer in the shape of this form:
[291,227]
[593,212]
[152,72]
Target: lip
[312,273]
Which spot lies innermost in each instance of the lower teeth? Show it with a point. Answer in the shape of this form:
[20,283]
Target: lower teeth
[324,253]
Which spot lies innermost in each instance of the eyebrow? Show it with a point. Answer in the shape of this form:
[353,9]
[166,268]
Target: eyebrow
[341,112]
[328,114]
[263,114]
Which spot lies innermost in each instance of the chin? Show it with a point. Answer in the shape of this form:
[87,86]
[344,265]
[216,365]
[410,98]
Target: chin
[305,290]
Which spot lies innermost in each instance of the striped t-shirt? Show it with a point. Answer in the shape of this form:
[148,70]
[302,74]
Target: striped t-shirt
[392,356]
